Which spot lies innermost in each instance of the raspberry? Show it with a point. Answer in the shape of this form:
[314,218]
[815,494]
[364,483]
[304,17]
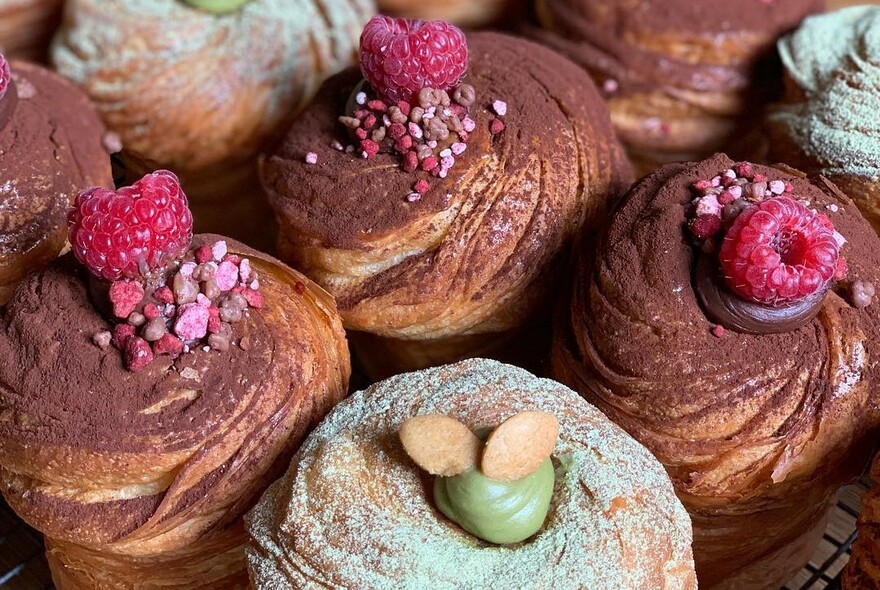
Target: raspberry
[136,229]
[401,56]
[168,344]
[138,353]
[5,75]
[778,251]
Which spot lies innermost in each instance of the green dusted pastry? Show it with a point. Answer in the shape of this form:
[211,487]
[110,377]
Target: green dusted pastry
[217,6]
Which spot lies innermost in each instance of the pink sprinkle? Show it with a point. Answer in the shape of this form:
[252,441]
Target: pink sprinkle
[469,124]
[716,181]
[369,147]
[254,298]
[788,187]
[404,143]
[233,258]
[445,152]
[413,197]
[745,169]
[718,331]
[377,105]
[429,163]
[458,148]
[610,85]
[187,268]
[203,300]
[500,107]
[203,254]
[703,185]
[361,98]
[311,158]
[121,334]
[777,187]
[709,205]
[735,191]
[213,320]
[168,344]
[447,162]
[496,126]
[255,284]
[410,161]
[244,271]
[404,107]
[226,275]
[421,186]
[138,353]
[729,173]
[360,133]
[415,131]
[125,297]
[164,294]
[219,250]
[725,198]
[759,178]
[396,131]
[192,322]
[151,311]
[432,144]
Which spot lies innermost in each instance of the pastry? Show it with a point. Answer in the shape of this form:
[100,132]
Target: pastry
[26,27]
[725,320]
[468,13]
[358,507]
[829,119]
[147,400]
[51,145]
[862,571]
[439,253]
[205,106]
[682,78]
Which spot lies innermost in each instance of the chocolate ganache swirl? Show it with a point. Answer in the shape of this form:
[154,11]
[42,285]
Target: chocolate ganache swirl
[758,431]
[128,472]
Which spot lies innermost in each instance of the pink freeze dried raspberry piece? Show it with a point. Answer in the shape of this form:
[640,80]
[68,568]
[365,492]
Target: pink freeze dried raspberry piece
[192,321]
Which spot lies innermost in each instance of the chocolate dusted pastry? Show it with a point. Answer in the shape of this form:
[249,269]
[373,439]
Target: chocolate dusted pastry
[682,79]
[27,26]
[828,121]
[760,410]
[438,214]
[51,145]
[358,489]
[147,401]
[201,86]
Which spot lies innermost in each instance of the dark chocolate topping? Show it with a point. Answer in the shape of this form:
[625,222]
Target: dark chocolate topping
[342,199]
[677,44]
[50,148]
[735,313]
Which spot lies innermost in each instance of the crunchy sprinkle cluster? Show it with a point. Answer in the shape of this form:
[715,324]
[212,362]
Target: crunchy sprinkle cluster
[195,302]
[426,137]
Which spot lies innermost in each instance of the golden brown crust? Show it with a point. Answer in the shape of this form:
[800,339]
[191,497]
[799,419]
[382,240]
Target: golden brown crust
[27,26]
[155,478]
[353,494]
[469,13]
[477,254]
[757,432]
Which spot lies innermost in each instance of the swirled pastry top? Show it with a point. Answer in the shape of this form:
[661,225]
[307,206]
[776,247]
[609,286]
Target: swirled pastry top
[189,88]
[354,511]
[343,200]
[834,60]
[699,46]
[50,148]
[639,321]
[58,388]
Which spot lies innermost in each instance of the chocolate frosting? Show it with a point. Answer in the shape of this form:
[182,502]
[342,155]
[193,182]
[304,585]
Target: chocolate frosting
[50,148]
[731,311]
[757,431]
[710,45]
[186,433]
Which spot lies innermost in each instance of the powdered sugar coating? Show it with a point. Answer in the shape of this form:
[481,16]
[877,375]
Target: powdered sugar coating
[353,511]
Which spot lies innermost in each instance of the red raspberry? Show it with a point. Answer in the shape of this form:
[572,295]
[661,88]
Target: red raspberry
[116,234]
[5,75]
[778,251]
[401,56]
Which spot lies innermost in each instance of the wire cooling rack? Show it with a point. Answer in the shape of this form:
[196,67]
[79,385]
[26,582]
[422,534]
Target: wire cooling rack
[23,567]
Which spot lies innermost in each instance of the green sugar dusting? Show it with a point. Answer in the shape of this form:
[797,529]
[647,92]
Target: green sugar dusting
[353,511]
[835,59]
